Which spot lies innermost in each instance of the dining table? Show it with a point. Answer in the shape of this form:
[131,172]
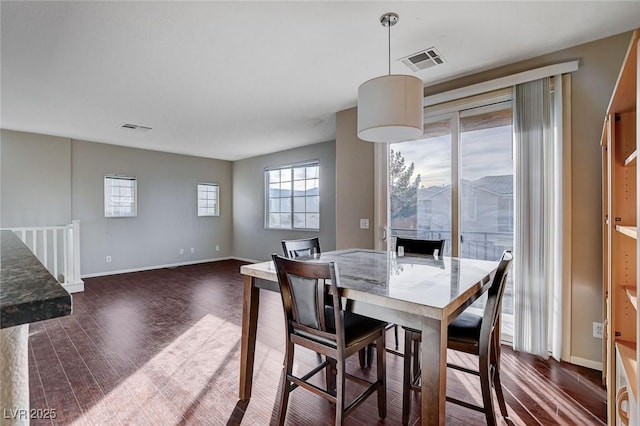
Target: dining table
[423,293]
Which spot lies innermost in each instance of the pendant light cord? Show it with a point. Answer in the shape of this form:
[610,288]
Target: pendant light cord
[389,48]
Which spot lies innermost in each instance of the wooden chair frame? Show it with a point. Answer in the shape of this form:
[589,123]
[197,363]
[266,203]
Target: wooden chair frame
[306,247]
[321,340]
[487,348]
[309,247]
[414,246]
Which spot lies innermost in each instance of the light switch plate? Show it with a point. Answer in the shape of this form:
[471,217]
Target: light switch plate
[364,223]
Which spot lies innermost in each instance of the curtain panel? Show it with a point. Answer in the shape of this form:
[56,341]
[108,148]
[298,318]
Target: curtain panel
[538,218]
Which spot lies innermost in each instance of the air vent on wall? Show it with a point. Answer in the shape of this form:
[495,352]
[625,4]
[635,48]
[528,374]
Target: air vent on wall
[422,60]
[137,127]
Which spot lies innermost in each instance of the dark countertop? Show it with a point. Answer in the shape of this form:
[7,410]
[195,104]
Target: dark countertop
[28,292]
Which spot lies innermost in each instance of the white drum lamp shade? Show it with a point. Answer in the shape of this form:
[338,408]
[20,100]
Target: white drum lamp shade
[390,109]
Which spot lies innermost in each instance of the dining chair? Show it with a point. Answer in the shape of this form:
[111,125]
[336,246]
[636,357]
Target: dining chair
[306,247]
[470,333]
[418,247]
[326,329]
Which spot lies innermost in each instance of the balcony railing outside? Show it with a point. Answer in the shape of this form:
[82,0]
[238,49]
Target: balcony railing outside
[474,245]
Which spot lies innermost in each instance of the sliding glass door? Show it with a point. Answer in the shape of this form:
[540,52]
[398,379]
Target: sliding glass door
[420,185]
[486,182]
[486,190]
[456,184]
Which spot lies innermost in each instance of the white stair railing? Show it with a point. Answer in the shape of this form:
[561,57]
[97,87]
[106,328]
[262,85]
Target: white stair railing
[58,249]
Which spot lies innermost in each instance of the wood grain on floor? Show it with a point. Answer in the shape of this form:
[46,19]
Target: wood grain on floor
[162,347]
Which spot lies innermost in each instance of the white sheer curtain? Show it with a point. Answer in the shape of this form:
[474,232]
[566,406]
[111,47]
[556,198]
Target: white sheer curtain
[538,218]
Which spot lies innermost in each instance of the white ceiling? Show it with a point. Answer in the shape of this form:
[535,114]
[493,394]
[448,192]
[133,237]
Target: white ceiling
[231,80]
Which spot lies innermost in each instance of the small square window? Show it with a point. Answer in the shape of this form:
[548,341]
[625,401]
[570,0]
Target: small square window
[120,195]
[208,199]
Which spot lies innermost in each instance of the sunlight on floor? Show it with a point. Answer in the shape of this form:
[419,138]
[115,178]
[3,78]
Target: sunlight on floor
[173,385]
[544,394]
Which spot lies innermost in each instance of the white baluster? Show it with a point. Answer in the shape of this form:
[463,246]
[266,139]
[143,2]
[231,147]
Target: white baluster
[76,250]
[55,254]
[45,248]
[65,244]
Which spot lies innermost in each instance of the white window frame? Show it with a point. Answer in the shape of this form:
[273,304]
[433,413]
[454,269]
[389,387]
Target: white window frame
[110,202]
[204,189]
[267,198]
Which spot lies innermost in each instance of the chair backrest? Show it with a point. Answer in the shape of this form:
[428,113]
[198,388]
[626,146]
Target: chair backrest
[303,288]
[493,306]
[420,247]
[301,248]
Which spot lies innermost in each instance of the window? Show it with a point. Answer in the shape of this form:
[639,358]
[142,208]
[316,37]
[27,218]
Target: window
[293,197]
[208,199]
[120,196]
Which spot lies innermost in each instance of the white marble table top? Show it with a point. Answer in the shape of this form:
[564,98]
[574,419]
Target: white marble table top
[419,285]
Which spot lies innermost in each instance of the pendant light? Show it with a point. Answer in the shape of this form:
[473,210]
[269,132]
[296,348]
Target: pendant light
[390,107]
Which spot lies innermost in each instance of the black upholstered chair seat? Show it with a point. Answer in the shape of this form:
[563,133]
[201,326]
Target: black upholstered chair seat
[465,328]
[356,328]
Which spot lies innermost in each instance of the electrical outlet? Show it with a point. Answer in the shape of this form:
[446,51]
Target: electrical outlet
[193,250]
[597,330]
[108,259]
[181,251]
[217,248]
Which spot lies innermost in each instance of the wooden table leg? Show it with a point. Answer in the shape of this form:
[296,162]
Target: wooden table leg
[250,302]
[434,371]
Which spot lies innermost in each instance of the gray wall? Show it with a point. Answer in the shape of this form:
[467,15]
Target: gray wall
[167,218]
[47,180]
[250,238]
[35,179]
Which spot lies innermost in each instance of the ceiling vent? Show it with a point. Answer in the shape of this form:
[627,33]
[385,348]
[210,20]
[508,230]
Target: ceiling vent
[136,127]
[422,60]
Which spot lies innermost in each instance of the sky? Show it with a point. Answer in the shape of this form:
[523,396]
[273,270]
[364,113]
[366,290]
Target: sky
[485,152]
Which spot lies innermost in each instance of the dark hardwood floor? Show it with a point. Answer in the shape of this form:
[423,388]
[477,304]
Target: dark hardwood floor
[162,348]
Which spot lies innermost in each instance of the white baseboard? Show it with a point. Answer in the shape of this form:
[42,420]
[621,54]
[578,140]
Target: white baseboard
[594,365]
[74,287]
[244,259]
[149,268]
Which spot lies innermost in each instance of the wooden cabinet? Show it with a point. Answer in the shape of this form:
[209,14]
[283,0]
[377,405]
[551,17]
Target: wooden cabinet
[620,242]
[625,406]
